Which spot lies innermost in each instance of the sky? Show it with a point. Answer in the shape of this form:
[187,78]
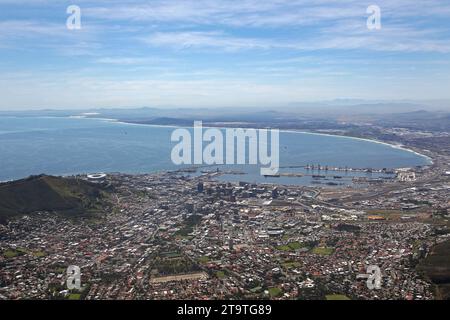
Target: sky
[220,53]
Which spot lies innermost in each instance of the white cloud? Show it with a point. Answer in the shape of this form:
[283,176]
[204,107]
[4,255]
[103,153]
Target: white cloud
[131,52]
[78,90]
[30,28]
[389,39]
[185,40]
[121,60]
[262,13]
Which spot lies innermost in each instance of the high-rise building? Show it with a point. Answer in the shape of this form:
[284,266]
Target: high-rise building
[275,193]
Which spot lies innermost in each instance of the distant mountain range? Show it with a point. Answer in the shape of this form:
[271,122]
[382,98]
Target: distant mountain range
[339,106]
[333,115]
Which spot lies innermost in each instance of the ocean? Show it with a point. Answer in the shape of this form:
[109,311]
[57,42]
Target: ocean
[67,146]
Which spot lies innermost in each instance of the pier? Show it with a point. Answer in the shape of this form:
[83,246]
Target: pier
[311,167]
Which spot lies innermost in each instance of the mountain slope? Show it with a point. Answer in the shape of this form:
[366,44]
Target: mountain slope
[68,196]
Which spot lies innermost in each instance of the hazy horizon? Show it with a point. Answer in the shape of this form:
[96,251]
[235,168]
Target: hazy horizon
[217,54]
[358,105]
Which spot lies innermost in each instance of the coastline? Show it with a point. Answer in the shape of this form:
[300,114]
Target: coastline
[429,160]
[118,121]
[394,146]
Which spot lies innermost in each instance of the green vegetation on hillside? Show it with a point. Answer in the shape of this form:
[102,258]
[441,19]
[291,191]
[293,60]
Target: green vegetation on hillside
[436,267]
[187,226]
[323,251]
[336,297]
[275,292]
[10,253]
[203,259]
[68,196]
[74,296]
[292,246]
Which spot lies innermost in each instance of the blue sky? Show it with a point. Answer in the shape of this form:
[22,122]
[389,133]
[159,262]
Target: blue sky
[220,53]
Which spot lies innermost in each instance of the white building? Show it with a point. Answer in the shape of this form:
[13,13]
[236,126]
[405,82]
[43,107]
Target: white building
[96,177]
[406,176]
